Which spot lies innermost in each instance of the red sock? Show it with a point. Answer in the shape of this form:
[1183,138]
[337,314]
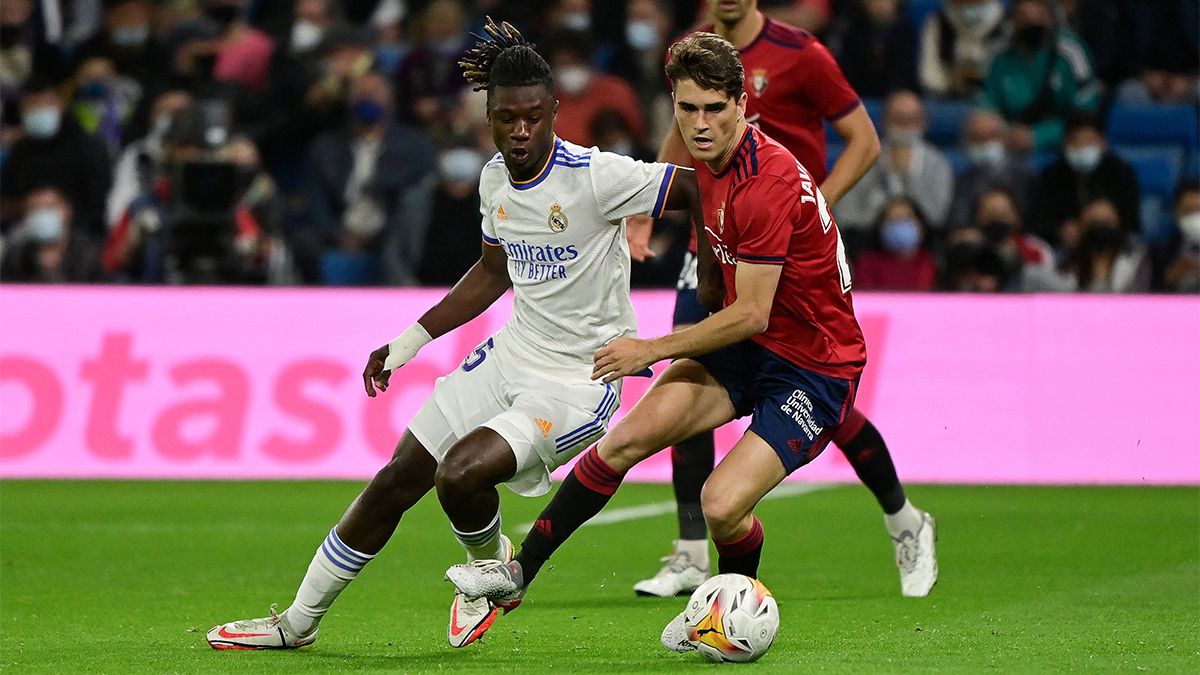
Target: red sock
[741,555]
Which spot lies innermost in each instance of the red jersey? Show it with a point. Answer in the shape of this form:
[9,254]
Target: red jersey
[764,208]
[793,84]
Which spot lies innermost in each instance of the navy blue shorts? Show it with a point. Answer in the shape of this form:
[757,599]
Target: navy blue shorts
[794,410]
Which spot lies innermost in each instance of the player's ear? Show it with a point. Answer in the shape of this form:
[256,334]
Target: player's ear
[741,103]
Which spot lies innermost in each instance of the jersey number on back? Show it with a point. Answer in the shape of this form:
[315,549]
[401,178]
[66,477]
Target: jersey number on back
[814,195]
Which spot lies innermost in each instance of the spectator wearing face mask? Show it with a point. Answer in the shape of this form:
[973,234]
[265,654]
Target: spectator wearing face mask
[55,151]
[243,52]
[908,166]
[428,80]
[971,265]
[1023,255]
[138,164]
[45,248]
[456,214]
[958,43]
[1085,171]
[1045,73]
[647,33]
[1181,263]
[899,261]
[105,102]
[991,165]
[369,188]
[583,93]
[1105,258]
[129,42]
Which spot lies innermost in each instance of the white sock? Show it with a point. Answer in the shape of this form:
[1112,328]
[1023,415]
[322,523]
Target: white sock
[908,518]
[333,568]
[697,550]
[483,544]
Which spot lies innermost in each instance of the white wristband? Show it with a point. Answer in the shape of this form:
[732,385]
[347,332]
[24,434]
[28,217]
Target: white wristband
[405,346]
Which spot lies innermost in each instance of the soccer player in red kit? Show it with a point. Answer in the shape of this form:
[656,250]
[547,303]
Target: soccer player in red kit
[792,84]
[785,348]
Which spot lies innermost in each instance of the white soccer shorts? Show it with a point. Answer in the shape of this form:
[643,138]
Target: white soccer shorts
[545,420]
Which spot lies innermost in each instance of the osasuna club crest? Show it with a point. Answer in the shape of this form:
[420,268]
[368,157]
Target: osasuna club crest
[557,219]
[758,80]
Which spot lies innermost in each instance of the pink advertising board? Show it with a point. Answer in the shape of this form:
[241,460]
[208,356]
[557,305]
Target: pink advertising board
[113,382]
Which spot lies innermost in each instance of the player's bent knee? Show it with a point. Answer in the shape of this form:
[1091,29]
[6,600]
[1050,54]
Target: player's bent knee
[624,447]
[723,512]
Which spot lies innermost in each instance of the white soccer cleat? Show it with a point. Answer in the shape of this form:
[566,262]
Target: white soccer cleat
[470,619]
[917,559]
[491,579]
[679,576]
[675,635]
[272,632]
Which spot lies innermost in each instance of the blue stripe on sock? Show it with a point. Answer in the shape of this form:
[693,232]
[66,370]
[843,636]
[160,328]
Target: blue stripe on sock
[333,559]
[349,553]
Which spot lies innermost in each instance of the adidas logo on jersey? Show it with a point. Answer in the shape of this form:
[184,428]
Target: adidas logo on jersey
[544,425]
[500,214]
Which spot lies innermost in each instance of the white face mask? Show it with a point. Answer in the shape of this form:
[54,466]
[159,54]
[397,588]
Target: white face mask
[42,121]
[572,79]
[460,165]
[306,35]
[904,137]
[1084,159]
[44,226]
[989,154]
[641,35]
[1189,226]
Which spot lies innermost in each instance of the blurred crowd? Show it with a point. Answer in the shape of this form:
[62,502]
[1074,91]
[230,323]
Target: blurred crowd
[1027,145]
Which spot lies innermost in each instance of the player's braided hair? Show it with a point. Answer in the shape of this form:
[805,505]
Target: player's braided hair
[503,59]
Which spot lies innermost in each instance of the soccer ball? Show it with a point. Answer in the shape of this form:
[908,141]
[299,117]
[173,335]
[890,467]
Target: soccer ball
[732,617]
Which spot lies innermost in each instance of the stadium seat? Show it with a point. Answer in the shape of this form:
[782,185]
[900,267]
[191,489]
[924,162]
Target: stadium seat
[874,108]
[347,268]
[919,10]
[1158,167]
[945,121]
[1038,161]
[958,160]
[1156,220]
[1149,124]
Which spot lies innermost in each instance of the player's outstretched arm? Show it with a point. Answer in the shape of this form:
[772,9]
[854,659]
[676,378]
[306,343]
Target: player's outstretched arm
[862,148]
[478,289]
[744,318]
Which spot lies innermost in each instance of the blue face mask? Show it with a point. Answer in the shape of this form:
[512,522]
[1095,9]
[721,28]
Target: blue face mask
[96,90]
[367,112]
[902,235]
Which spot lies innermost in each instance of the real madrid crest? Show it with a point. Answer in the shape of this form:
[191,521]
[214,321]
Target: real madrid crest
[758,80]
[557,219]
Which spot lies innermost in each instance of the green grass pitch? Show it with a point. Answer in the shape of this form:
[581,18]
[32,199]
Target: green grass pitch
[127,576]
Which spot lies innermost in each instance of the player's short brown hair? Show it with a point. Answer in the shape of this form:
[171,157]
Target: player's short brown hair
[710,61]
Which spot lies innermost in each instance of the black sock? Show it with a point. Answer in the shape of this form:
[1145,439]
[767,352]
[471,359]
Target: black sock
[863,445]
[691,465]
[741,555]
[586,490]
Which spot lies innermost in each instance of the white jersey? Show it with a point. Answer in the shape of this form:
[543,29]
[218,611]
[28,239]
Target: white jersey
[568,259]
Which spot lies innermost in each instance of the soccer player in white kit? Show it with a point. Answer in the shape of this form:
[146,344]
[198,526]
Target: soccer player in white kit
[523,402]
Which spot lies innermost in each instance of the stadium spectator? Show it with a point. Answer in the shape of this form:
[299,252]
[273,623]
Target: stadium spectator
[1118,33]
[1181,272]
[129,42]
[1044,74]
[1172,67]
[876,46]
[647,32]
[455,213]
[243,52]
[104,102]
[392,44]
[990,166]
[428,80]
[583,93]
[1085,171]
[908,166]
[139,163]
[55,151]
[1106,258]
[46,248]
[899,261]
[369,188]
[971,266]
[999,219]
[958,43]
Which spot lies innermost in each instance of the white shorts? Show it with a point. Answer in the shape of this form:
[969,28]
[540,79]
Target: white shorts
[545,420]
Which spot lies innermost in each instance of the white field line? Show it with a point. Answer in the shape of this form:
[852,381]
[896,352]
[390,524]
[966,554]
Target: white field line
[783,491]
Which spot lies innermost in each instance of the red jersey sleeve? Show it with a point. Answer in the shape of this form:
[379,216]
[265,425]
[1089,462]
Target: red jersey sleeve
[765,211]
[826,89]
